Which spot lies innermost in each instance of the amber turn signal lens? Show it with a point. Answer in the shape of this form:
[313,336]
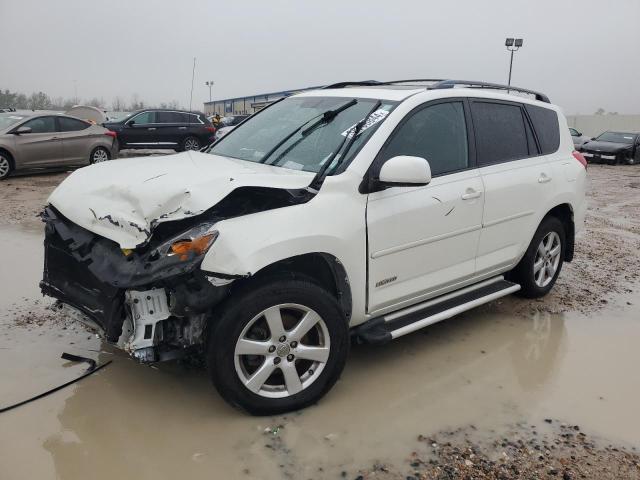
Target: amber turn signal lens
[198,246]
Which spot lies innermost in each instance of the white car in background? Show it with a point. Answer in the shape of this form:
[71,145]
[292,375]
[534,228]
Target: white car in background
[227,124]
[359,211]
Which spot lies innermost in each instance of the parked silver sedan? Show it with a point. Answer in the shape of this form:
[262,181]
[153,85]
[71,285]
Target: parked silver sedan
[49,140]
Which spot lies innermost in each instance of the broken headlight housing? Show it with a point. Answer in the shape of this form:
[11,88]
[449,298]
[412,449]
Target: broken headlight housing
[189,244]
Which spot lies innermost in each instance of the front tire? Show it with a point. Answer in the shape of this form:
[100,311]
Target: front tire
[277,346]
[6,165]
[538,270]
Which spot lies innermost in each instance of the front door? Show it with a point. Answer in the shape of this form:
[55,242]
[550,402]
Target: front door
[42,146]
[140,131]
[424,239]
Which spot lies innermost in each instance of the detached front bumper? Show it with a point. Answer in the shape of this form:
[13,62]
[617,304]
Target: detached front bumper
[149,308]
[69,279]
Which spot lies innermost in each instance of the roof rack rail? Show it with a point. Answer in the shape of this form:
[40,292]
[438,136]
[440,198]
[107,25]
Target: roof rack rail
[492,86]
[392,82]
[363,83]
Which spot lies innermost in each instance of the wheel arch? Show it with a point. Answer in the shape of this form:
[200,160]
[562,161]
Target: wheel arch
[564,213]
[323,268]
[9,155]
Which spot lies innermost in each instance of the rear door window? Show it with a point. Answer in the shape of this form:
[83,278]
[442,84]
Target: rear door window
[545,123]
[437,133]
[501,132]
[169,117]
[71,124]
[41,125]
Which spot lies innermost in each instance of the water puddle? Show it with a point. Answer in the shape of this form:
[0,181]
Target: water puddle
[483,368]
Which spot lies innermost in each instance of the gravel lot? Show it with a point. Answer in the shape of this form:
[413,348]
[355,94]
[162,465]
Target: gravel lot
[600,284]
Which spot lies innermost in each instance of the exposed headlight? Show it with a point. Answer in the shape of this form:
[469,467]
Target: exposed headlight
[190,244]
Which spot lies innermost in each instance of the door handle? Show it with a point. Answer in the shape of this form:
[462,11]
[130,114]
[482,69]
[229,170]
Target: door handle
[471,194]
[543,178]
[182,128]
[151,128]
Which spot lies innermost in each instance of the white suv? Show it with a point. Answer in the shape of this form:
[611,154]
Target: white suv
[359,211]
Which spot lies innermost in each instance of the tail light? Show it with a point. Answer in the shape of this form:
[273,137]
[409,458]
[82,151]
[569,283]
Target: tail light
[578,156]
[210,129]
[109,133]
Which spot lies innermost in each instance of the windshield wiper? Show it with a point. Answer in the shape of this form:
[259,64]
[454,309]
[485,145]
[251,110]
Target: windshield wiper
[326,117]
[316,183]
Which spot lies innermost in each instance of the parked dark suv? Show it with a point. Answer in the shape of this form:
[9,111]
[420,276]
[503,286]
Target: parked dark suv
[159,128]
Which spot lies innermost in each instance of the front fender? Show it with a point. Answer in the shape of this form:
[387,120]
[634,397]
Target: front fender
[332,223]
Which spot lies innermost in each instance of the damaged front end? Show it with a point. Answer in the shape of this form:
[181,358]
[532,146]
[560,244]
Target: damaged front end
[153,301]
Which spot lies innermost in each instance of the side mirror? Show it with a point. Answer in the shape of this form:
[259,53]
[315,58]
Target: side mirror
[405,171]
[21,130]
[130,123]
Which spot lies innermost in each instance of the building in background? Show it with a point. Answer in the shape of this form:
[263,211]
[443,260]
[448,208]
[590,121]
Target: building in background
[247,105]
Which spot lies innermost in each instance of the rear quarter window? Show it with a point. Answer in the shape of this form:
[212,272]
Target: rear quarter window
[72,125]
[545,123]
[501,133]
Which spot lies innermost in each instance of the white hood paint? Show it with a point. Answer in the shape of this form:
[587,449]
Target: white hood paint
[122,199]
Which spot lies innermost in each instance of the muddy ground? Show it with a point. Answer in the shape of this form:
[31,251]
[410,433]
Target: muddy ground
[515,389]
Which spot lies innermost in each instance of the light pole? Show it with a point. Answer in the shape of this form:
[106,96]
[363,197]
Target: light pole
[512,44]
[209,83]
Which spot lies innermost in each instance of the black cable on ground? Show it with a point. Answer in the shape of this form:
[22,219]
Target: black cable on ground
[67,356]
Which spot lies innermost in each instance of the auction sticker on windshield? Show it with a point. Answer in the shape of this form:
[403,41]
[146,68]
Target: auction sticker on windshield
[374,118]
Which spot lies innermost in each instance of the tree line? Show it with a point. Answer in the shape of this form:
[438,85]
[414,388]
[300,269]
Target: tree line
[42,101]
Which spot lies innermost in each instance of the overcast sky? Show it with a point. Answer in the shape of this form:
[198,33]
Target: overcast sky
[584,54]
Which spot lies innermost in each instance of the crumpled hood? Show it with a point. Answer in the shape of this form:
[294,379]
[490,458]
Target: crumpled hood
[124,199]
[605,147]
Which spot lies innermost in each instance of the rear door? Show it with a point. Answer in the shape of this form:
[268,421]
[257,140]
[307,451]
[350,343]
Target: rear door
[76,141]
[170,128]
[43,146]
[516,177]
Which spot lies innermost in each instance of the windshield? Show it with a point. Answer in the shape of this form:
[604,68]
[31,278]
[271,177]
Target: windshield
[305,150]
[616,137]
[8,119]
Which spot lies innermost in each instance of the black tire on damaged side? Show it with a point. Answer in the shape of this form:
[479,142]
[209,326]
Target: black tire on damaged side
[230,319]
[523,272]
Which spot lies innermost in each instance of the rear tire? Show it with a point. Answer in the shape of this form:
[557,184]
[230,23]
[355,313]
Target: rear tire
[190,143]
[6,165]
[99,155]
[538,270]
[299,365]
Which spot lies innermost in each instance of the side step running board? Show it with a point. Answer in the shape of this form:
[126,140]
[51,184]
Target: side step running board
[393,325]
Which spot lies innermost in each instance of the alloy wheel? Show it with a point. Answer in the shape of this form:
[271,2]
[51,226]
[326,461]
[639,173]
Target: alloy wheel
[282,350]
[100,155]
[547,259]
[5,166]
[191,144]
